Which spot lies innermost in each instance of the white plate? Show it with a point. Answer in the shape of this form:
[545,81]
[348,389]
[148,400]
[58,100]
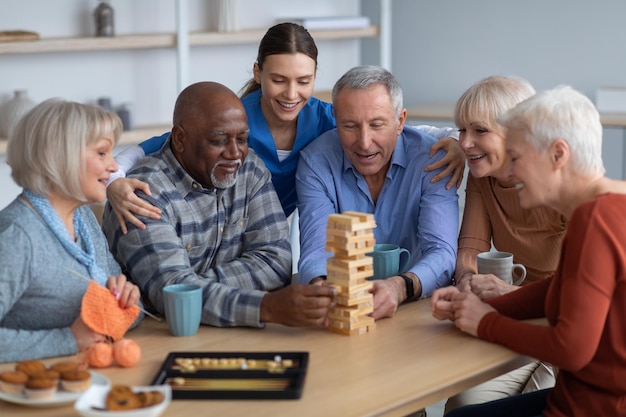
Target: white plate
[95,397]
[60,398]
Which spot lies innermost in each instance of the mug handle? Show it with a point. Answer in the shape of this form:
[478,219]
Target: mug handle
[407,256]
[519,278]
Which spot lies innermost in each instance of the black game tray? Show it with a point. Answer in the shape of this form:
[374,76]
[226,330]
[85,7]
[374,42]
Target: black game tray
[234,375]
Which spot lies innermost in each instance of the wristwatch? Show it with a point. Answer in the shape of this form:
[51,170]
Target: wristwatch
[408,282]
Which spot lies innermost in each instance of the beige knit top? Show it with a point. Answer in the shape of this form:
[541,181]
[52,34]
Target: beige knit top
[492,211]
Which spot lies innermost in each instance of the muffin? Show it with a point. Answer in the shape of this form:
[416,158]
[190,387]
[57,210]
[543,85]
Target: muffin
[30,367]
[40,388]
[75,381]
[65,366]
[49,374]
[12,382]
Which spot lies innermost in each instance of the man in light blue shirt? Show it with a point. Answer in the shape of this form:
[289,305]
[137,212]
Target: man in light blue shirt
[372,163]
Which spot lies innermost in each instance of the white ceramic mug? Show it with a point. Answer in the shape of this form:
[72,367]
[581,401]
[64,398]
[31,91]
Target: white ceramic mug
[501,265]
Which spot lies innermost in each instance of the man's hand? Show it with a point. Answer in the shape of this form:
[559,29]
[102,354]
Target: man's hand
[454,161]
[298,305]
[125,203]
[388,295]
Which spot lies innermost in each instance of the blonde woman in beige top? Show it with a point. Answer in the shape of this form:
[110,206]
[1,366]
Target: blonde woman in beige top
[493,217]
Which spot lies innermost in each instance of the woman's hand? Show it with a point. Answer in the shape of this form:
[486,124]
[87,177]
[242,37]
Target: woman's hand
[454,161]
[126,204]
[469,311]
[441,303]
[489,286]
[84,336]
[125,292]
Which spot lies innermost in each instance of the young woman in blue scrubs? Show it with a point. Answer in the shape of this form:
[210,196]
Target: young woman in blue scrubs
[283,118]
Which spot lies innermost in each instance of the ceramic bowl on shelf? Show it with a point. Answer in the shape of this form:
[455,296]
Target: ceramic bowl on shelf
[92,403]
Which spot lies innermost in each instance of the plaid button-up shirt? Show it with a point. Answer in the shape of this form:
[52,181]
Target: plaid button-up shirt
[233,242]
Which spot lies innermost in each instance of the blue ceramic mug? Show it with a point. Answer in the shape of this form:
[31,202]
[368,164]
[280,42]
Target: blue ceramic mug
[387,260]
[183,308]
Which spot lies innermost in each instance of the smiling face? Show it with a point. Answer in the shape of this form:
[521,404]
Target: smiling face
[368,127]
[531,170]
[484,147]
[99,164]
[213,148]
[287,82]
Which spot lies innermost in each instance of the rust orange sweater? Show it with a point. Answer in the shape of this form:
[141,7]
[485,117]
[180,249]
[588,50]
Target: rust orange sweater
[492,210]
[585,306]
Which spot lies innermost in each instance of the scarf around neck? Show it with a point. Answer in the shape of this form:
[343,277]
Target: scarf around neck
[53,221]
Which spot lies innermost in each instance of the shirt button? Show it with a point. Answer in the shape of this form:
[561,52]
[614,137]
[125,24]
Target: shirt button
[188,246]
[241,223]
[194,186]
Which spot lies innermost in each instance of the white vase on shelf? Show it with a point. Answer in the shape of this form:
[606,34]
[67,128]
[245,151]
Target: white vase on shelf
[223,15]
[13,110]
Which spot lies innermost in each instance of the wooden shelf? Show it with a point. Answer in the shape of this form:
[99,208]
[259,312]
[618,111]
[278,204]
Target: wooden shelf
[163,40]
[130,137]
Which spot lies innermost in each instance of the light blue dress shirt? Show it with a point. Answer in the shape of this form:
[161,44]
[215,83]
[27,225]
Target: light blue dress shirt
[410,212]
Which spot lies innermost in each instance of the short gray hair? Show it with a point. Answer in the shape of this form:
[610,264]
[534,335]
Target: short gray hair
[561,113]
[47,148]
[365,76]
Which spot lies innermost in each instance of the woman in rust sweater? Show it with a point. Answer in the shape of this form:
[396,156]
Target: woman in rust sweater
[493,214]
[554,141]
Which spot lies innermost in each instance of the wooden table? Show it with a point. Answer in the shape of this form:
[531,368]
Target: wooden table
[409,361]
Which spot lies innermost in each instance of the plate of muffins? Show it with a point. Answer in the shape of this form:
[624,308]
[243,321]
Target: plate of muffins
[34,384]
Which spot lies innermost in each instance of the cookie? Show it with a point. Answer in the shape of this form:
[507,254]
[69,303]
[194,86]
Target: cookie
[150,398]
[121,397]
[120,390]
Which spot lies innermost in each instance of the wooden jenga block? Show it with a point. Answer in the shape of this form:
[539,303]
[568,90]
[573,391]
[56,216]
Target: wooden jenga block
[363,217]
[350,237]
[353,300]
[351,314]
[353,291]
[352,265]
[349,330]
[338,274]
[347,252]
[351,222]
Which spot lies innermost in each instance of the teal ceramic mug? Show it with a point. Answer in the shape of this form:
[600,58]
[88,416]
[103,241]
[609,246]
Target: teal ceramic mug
[183,308]
[389,260]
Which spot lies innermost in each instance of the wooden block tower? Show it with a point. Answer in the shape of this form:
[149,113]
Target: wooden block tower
[350,236]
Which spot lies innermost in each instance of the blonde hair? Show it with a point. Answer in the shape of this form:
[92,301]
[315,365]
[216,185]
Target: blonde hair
[47,148]
[486,100]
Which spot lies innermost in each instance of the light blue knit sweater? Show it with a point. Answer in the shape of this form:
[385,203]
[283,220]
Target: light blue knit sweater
[39,298]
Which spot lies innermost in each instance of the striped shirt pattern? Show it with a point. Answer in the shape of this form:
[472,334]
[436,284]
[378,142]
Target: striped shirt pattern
[233,242]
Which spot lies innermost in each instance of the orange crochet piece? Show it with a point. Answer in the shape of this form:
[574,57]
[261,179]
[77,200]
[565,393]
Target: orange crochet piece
[101,312]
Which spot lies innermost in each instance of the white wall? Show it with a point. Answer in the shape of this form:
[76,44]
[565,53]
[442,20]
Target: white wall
[442,47]
[146,79]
